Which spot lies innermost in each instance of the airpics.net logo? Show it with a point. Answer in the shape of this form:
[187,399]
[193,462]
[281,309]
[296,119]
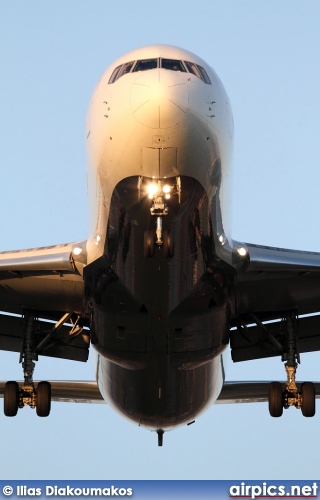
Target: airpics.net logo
[266,490]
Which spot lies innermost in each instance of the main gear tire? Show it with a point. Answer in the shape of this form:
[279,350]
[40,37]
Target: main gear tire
[275,399]
[43,399]
[308,396]
[11,399]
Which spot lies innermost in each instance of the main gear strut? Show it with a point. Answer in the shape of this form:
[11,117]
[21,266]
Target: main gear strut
[28,395]
[291,396]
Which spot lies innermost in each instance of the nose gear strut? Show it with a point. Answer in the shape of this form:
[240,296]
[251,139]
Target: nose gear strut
[158,208]
[158,192]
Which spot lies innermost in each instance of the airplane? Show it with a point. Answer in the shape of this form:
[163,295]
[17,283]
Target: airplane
[159,289]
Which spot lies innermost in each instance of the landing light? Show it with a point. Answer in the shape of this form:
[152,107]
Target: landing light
[77,250]
[152,189]
[166,189]
[242,251]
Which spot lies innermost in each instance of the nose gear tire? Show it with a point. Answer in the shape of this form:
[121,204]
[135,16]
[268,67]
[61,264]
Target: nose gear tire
[148,244]
[168,248]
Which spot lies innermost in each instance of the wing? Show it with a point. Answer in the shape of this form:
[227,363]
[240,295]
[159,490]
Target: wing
[49,282]
[275,282]
[249,392]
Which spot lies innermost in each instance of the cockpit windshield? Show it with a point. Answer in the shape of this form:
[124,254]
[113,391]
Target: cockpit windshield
[168,64]
[198,70]
[126,68]
[145,64]
[114,75]
[172,64]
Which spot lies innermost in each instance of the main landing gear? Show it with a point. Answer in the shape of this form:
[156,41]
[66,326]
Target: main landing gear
[291,396]
[28,395]
[158,191]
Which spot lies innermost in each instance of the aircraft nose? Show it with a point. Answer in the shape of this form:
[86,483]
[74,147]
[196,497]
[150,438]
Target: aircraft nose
[159,98]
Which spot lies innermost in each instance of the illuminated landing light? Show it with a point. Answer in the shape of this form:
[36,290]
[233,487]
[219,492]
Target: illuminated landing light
[167,196]
[166,189]
[77,250]
[242,251]
[152,189]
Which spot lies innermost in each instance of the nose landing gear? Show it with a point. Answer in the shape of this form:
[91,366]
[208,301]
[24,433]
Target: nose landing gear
[168,248]
[149,244]
[158,192]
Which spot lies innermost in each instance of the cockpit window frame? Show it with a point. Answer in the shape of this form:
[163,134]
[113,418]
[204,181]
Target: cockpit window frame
[177,62]
[193,69]
[115,72]
[198,71]
[204,75]
[124,69]
[141,61]
[187,67]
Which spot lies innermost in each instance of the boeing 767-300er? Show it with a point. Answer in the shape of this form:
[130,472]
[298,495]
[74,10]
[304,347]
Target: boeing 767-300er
[159,288]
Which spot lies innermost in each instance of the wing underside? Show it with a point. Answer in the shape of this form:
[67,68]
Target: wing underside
[273,284]
[47,282]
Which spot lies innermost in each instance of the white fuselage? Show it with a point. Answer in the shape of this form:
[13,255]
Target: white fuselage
[159,124]
[143,113]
